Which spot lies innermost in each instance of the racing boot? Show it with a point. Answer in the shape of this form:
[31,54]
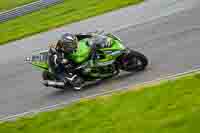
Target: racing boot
[76,81]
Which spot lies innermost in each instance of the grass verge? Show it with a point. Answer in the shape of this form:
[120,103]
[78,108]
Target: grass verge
[64,13]
[170,107]
[9,4]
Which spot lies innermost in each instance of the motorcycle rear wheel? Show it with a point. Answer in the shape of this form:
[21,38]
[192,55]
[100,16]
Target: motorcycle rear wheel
[46,75]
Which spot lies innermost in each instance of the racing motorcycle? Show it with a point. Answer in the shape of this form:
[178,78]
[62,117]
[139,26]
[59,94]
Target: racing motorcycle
[108,62]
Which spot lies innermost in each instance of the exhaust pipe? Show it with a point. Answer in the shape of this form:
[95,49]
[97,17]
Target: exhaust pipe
[55,84]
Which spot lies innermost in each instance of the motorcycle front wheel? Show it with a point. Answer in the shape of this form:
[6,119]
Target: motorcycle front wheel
[133,61]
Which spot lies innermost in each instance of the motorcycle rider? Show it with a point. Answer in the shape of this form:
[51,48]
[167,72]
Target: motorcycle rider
[68,44]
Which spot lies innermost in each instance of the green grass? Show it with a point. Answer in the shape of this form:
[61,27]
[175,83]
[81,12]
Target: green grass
[65,13]
[170,107]
[9,4]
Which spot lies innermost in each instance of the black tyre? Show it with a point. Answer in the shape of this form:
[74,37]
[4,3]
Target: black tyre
[47,75]
[133,61]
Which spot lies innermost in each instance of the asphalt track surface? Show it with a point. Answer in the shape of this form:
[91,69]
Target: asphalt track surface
[172,43]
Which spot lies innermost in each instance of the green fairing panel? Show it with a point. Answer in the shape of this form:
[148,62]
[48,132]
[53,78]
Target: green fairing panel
[82,53]
[117,45]
[40,65]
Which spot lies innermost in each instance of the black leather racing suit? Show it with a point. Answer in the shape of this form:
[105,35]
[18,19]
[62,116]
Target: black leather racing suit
[64,68]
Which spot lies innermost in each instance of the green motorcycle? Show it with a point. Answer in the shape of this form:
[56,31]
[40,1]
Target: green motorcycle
[107,63]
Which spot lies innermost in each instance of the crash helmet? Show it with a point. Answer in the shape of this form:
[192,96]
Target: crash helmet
[68,43]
